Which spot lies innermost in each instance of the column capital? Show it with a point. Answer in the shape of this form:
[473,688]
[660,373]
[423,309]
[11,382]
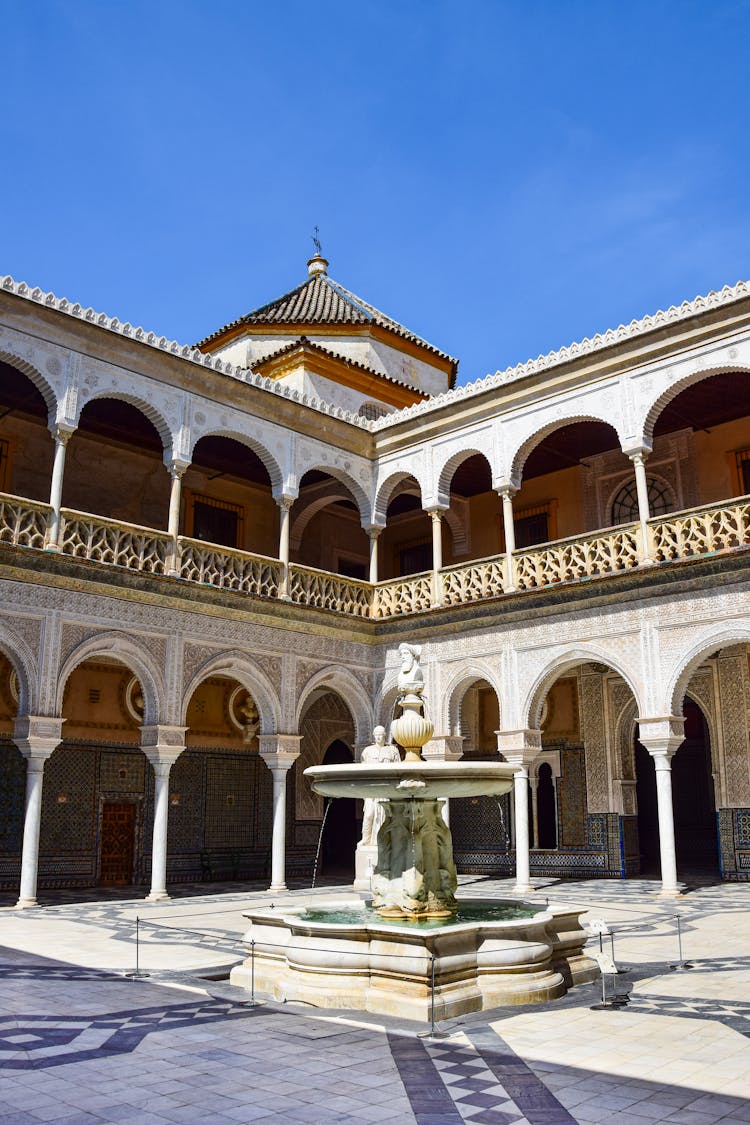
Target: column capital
[519,747]
[36,736]
[436,512]
[444,748]
[661,735]
[284,500]
[162,745]
[62,432]
[373,529]
[637,450]
[280,751]
[177,466]
[507,488]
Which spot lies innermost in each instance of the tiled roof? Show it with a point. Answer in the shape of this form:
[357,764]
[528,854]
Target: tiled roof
[302,341]
[321,300]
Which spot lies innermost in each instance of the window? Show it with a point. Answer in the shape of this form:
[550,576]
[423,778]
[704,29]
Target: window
[4,466]
[351,568]
[742,458]
[625,503]
[217,521]
[535,525]
[416,558]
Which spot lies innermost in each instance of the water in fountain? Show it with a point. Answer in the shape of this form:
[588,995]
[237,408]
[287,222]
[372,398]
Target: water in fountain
[326,810]
[503,825]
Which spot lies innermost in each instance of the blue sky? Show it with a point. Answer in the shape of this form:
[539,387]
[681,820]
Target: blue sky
[501,177]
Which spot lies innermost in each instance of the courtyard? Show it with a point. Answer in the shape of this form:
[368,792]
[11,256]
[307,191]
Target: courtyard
[80,1041]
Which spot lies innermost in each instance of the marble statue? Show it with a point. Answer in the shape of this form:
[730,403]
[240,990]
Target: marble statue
[373,816]
[411,676]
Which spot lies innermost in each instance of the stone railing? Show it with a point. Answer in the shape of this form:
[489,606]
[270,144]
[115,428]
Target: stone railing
[227,569]
[700,531]
[115,544]
[23,523]
[697,533]
[324,590]
[402,595]
[577,558]
[471,582]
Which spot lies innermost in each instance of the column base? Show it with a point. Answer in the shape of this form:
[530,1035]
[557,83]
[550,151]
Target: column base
[523,889]
[158,896]
[277,888]
[647,562]
[25,903]
[672,892]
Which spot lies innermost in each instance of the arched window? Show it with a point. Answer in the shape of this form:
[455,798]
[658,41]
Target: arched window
[546,809]
[625,503]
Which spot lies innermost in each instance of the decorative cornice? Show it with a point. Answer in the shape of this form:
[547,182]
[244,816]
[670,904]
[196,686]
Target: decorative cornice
[675,313]
[181,351]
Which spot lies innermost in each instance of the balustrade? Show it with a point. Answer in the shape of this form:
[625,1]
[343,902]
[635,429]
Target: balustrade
[324,590]
[23,523]
[570,560]
[227,569]
[681,535]
[402,595]
[113,543]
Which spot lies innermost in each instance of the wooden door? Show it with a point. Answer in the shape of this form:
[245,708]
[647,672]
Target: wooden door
[118,844]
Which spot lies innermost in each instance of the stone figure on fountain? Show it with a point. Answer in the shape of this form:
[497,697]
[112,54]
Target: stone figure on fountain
[373,816]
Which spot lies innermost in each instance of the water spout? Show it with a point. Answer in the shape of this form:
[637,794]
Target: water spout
[326,810]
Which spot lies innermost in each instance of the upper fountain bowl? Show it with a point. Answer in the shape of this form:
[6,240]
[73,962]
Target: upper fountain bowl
[400,781]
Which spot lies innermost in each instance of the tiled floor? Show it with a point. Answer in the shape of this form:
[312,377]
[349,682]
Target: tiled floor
[80,1042]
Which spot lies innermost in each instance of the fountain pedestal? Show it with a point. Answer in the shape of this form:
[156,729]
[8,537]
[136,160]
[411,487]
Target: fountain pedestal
[415,875]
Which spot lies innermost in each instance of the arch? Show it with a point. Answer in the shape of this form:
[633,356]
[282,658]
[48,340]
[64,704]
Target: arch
[385,492]
[235,665]
[529,443]
[531,710]
[133,656]
[357,493]
[146,408]
[657,405]
[35,376]
[711,642]
[346,685]
[22,660]
[456,691]
[269,461]
[448,471]
[305,516]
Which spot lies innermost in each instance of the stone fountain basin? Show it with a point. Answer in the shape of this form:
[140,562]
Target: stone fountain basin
[385,967]
[400,781]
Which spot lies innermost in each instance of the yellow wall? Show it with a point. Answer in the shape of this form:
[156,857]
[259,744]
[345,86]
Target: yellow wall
[714,470]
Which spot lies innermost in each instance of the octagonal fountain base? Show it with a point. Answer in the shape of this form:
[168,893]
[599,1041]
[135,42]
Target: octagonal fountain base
[337,953]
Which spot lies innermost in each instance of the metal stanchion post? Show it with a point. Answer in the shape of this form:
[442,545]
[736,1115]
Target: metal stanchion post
[620,969]
[137,972]
[681,963]
[433,1033]
[252,972]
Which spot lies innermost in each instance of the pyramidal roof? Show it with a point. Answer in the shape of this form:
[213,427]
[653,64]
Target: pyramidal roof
[322,301]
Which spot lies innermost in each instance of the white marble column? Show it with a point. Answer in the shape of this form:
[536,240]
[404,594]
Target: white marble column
[279,752]
[519,748]
[177,470]
[36,737]
[644,515]
[162,745]
[436,515]
[661,737]
[373,533]
[285,509]
[506,494]
[62,435]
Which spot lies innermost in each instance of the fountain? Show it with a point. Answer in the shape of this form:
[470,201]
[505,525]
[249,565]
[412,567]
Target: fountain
[382,956]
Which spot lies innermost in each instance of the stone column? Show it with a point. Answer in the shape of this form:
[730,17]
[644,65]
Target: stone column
[444,748]
[279,752]
[36,737]
[662,737]
[373,533]
[285,508]
[162,745]
[506,494]
[638,457]
[62,435]
[436,515]
[519,748]
[177,470]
